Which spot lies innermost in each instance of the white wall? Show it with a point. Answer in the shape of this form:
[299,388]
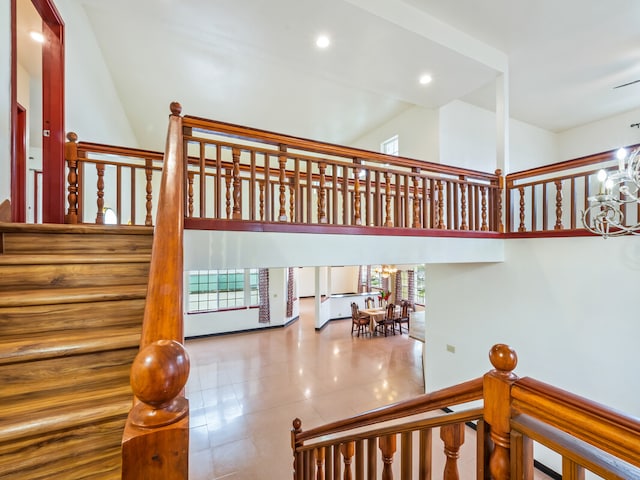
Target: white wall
[344,279]
[607,134]
[531,146]
[568,306]
[5,101]
[92,107]
[417,128]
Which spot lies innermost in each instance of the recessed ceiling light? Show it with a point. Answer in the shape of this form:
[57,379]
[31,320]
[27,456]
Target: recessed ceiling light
[322,41]
[425,79]
[37,36]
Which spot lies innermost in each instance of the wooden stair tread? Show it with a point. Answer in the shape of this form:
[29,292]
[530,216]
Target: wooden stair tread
[43,296]
[66,417]
[17,348]
[72,259]
[49,228]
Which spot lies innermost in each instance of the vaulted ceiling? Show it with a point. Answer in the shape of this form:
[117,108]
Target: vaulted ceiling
[254,62]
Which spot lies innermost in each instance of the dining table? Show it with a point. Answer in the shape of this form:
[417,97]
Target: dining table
[377,314]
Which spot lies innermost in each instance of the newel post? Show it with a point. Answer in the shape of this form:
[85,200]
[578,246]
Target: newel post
[295,445]
[497,408]
[71,156]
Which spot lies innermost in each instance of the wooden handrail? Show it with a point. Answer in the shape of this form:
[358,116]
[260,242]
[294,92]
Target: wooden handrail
[156,437]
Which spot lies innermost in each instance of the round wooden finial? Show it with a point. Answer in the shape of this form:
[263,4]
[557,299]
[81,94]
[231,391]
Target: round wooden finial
[176,108]
[499,172]
[297,423]
[159,372]
[72,136]
[503,357]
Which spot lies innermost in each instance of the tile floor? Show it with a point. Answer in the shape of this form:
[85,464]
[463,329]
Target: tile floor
[246,389]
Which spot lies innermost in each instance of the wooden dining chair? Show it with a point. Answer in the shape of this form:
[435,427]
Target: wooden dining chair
[388,321]
[369,302]
[359,320]
[403,317]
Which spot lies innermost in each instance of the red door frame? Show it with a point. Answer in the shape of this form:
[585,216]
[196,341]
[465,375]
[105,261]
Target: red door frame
[53,187]
[19,200]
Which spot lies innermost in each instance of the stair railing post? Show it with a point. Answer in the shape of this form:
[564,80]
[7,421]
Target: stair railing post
[100,194]
[497,408]
[71,156]
[298,468]
[453,438]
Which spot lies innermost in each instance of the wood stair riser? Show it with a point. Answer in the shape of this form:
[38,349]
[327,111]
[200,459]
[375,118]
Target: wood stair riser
[24,277]
[30,243]
[40,318]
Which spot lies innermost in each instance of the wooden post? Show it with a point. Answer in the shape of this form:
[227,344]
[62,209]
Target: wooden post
[483,194]
[71,156]
[356,193]
[148,172]
[292,200]
[282,162]
[453,438]
[322,208]
[497,407]
[237,212]
[100,200]
[190,176]
[347,450]
[388,448]
[416,198]
[439,188]
[522,227]
[558,225]
[295,445]
[387,200]
[261,184]
[463,204]
[227,178]
[319,454]
[499,194]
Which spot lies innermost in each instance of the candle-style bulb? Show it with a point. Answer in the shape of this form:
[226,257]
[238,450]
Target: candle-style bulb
[621,155]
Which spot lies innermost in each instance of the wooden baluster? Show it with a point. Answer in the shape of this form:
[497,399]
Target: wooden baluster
[558,225]
[571,470]
[319,454]
[388,448]
[483,195]
[359,459]
[227,181]
[416,199]
[322,208]
[328,463]
[372,461]
[522,457]
[261,185]
[292,200]
[439,187]
[237,212]
[190,177]
[388,222]
[71,156]
[148,172]
[406,455]
[337,462]
[522,227]
[497,408]
[100,200]
[347,450]
[282,162]
[295,445]
[463,204]
[425,454]
[357,220]
[453,438]
[499,192]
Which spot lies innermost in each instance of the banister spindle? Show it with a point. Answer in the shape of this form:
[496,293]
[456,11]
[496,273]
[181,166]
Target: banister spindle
[558,225]
[440,203]
[425,455]
[237,213]
[261,186]
[319,454]
[357,220]
[227,181]
[522,227]
[388,222]
[416,198]
[463,204]
[347,449]
[453,438]
[483,194]
[190,176]
[71,156]
[282,162]
[148,172]
[387,445]
[292,200]
[322,207]
[100,193]
[497,407]
[500,189]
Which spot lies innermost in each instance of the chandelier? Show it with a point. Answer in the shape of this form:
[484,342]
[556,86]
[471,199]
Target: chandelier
[606,214]
[385,270]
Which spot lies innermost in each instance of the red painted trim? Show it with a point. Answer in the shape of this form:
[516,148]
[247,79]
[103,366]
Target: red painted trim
[19,175]
[14,110]
[248,226]
[53,163]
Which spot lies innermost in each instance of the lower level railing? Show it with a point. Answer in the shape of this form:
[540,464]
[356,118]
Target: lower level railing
[515,413]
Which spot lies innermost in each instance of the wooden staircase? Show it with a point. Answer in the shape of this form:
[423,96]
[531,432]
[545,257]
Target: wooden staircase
[71,306]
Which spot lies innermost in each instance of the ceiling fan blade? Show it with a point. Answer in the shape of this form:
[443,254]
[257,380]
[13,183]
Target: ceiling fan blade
[627,84]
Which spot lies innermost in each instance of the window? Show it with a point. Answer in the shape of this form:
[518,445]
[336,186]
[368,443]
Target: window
[211,290]
[391,146]
[421,290]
